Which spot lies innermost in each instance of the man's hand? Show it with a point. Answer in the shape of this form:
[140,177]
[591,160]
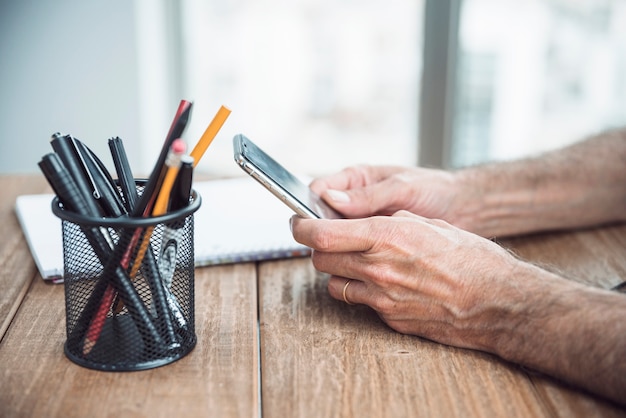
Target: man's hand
[363,191]
[423,277]
[428,278]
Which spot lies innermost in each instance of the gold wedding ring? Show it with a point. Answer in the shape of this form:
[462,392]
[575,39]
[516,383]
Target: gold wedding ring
[343,293]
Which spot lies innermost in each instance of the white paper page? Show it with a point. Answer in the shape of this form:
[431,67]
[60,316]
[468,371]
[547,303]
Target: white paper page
[42,230]
[237,221]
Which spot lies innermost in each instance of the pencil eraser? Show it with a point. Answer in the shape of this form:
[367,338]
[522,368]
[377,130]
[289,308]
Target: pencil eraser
[178,146]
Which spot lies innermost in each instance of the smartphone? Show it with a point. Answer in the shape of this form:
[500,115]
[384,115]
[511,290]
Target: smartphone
[275,178]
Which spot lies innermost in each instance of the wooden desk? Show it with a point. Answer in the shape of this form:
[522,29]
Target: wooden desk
[272,342]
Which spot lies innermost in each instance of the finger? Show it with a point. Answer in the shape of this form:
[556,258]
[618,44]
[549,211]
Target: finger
[348,178]
[350,265]
[383,197]
[351,235]
[349,291]
[337,235]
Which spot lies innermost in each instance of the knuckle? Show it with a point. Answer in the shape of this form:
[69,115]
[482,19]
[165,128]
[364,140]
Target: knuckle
[358,172]
[400,178]
[322,240]
[384,305]
[439,223]
[403,213]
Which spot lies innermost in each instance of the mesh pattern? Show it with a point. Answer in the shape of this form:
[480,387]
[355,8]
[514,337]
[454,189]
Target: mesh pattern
[118,322]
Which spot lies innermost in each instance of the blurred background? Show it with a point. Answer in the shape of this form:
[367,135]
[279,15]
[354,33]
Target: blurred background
[318,84]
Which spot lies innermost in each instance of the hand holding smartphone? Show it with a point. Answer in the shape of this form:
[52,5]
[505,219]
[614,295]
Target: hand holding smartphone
[280,182]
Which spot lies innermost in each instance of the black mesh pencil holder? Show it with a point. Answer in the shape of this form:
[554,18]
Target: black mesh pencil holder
[129,288]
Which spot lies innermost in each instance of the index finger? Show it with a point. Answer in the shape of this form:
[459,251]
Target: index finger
[332,235]
[351,178]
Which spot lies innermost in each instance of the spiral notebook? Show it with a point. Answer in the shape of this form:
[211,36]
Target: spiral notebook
[238,221]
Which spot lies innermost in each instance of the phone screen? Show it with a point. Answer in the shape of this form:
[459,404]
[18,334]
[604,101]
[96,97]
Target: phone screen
[279,180]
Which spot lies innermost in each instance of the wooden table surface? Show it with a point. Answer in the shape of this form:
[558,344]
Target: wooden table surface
[272,343]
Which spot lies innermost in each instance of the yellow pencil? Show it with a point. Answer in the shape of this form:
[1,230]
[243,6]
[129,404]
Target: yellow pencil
[209,134]
[160,206]
[173,165]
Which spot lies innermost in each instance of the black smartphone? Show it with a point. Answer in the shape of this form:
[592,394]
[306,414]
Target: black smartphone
[275,178]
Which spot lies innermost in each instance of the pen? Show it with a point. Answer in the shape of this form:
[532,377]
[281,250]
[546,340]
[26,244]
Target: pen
[179,199]
[173,163]
[65,148]
[127,184]
[66,188]
[172,234]
[124,173]
[64,185]
[181,191]
[163,297]
[107,195]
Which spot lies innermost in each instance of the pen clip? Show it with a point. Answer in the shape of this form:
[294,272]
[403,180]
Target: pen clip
[96,194]
[105,191]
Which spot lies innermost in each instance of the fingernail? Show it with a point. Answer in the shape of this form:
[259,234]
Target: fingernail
[291,224]
[338,196]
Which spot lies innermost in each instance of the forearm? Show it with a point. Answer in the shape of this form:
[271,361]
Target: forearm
[581,185]
[566,330]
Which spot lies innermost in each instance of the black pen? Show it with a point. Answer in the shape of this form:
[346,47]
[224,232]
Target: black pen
[124,173]
[128,186]
[66,188]
[179,199]
[62,182]
[105,191]
[172,235]
[65,148]
[181,191]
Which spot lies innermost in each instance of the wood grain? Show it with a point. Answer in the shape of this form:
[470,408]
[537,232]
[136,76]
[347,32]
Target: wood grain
[319,357]
[18,269]
[323,358]
[218,378]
